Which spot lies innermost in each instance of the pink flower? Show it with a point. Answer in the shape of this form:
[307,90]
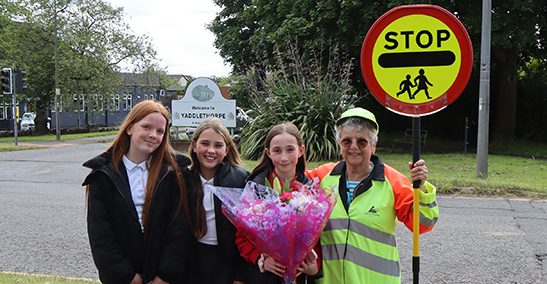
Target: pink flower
[286,196]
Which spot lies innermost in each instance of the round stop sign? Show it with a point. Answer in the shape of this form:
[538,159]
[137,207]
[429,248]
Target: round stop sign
[416,59]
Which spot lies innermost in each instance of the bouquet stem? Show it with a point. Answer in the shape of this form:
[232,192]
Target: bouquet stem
[287,279]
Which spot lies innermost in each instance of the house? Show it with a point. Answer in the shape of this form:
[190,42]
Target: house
[180,86]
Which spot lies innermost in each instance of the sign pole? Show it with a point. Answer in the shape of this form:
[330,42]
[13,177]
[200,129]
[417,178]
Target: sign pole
[416,133]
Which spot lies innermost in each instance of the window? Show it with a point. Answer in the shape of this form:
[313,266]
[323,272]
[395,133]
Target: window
[98,103]
[79,102]
[75,102]
[81,106]
[124,102]
[127,102]
[149,97]
[115,102]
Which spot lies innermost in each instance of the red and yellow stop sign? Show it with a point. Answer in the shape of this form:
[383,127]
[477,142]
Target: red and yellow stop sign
[416,59]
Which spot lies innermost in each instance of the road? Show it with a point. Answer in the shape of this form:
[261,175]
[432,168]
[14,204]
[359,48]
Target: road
[43,228]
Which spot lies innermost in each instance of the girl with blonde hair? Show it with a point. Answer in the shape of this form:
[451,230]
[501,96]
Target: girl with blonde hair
[215,161]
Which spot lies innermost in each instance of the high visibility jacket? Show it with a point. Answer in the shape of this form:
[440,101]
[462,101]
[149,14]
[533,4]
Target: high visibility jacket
[358,244]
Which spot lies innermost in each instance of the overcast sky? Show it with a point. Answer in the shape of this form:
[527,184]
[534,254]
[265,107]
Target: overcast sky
[178,33]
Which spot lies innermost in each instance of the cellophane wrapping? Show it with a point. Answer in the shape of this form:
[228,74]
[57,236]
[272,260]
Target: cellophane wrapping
[287,225]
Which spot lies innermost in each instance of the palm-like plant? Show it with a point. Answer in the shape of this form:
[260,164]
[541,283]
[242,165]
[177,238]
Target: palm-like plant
[306,92]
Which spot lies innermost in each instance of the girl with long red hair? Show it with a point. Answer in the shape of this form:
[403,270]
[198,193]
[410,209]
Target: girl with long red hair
[137,205]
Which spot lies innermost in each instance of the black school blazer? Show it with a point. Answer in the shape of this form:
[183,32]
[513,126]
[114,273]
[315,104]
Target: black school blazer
[227,175]
[119,247]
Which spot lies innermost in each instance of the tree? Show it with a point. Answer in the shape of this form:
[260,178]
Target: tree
[94,42]
[234,26]
[518,35]
[246,32]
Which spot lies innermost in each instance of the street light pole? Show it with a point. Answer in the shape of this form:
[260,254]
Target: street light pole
[57,90]
[484,91]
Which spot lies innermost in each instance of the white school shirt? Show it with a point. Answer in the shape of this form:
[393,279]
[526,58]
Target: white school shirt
[137,175]
[210,237]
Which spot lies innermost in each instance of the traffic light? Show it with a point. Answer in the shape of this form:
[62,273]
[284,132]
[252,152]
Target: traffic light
[7,84]
[20,80]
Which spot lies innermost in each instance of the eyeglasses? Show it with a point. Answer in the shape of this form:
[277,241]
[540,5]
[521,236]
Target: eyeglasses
[347,142]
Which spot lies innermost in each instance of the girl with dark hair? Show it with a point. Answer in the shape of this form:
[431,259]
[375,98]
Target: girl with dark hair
[283,161]
[215,161]
[137,205]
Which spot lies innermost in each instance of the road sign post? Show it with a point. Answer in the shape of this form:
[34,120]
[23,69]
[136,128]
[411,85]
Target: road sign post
[416,60]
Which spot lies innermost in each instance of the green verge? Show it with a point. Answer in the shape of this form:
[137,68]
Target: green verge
[23,278]
[53,137]
[455,173]
[11,147]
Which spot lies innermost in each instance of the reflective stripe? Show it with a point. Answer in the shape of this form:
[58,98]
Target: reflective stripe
[430,205]
[363,230]
[336,224]
[361,258]
[332,252]
[372,234]
[424,220]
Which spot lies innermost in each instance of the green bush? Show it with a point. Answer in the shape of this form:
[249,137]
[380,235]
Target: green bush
[305,91]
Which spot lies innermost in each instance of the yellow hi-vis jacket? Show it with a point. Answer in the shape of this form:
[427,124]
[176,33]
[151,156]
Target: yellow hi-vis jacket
[358,245]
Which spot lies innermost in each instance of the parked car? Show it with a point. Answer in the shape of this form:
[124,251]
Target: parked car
[27,121]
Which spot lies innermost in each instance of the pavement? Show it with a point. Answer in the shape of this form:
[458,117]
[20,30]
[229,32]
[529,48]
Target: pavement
[43,225]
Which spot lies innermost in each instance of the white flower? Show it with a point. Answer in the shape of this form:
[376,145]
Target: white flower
[258,208]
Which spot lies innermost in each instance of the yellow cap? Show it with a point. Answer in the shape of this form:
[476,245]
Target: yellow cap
[359,112]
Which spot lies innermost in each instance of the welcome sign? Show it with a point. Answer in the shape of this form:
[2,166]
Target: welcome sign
[202,100]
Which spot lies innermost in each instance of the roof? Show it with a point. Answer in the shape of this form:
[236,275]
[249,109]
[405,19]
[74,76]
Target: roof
[182,81]
[136,79]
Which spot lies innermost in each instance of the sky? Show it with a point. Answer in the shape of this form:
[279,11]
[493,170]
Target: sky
[178,34]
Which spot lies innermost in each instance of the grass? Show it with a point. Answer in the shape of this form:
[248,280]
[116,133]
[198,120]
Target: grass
[12,147]
[24,278]
[53,137]
[520,148]
[455,173]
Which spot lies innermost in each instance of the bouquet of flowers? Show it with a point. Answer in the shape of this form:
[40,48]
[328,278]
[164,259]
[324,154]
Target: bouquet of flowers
[287,223]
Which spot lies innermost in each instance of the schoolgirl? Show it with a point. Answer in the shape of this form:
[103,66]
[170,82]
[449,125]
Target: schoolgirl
[283,162]
[215,161]
[137,205]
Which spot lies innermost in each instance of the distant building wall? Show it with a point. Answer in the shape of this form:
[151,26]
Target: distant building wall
[81,110]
